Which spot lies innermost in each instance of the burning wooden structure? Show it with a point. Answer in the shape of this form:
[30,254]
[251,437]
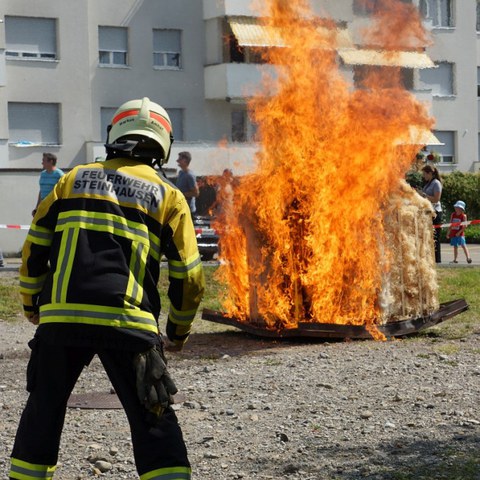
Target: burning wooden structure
[337,331]
[407,301]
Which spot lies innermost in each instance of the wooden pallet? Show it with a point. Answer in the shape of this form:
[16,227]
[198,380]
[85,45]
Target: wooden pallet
[333,330]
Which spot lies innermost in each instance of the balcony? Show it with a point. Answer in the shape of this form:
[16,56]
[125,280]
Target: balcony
[233,81]
[221,8]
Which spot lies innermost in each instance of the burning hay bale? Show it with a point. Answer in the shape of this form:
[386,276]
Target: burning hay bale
[410,287]
[279,285]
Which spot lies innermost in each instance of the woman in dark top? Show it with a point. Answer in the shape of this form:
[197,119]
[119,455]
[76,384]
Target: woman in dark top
[432,190]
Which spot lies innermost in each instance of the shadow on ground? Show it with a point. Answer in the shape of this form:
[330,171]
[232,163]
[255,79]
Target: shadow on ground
[238,343]
[454,457]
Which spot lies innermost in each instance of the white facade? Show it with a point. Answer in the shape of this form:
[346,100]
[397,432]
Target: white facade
[66,66]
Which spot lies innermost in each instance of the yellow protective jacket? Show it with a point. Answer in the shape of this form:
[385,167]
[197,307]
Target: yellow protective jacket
[92,254]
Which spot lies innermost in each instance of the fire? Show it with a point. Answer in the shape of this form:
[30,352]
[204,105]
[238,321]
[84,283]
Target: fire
[303,237]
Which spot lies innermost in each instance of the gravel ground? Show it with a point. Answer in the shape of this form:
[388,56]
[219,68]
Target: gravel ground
[257,409]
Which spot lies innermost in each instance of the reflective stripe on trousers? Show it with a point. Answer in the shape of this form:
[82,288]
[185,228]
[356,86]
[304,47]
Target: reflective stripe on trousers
[172,473]
[29,471]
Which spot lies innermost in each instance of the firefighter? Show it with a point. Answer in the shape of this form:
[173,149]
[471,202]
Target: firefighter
[88,279]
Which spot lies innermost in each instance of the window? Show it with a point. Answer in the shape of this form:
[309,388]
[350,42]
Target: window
[33,123]
[478,81]
[236,53]
[382,76]
[238,35]
[112,43]
[478,147]
[478,15]
[438,12]
[176,117]
[167,48]
[447,151]
[365,7]
[106,115]
[243,130]
[30,38]
[439,80]
[239,126]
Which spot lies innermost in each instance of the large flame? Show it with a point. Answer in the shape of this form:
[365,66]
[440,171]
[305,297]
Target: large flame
[303,238]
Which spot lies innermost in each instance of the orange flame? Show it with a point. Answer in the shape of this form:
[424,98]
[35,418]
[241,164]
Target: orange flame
[302,239]
[397,26]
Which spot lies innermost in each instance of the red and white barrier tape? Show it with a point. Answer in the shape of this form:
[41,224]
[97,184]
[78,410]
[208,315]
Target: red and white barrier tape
[15,227]
[442,225]
[448,225]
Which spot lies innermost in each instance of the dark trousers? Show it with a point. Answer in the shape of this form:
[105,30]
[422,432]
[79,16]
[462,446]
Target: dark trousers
[51,375]
[436,237]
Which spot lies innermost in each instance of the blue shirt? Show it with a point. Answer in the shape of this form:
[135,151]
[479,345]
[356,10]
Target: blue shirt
[48,180]
[186,181]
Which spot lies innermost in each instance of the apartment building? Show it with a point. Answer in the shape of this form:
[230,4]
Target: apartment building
[66,66]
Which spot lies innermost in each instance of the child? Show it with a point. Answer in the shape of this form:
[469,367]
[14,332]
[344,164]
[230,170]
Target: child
[456,233]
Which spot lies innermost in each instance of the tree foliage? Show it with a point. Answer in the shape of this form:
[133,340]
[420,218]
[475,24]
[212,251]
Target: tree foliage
[462,186]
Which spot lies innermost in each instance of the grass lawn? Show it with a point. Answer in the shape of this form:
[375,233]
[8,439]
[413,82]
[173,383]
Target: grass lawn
[454,283]
[459,283]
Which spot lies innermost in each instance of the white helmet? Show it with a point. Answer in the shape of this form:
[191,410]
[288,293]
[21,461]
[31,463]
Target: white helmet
[141,118]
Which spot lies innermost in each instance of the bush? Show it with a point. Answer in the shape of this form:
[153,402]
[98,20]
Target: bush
[461,186]
[414,179]
[466,187]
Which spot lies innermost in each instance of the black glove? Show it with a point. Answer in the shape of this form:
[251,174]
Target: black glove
[155,387]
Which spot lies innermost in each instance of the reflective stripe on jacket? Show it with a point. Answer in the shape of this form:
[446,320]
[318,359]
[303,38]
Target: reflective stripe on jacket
[92,254]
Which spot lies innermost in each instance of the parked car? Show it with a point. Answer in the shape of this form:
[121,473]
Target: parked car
[207,237]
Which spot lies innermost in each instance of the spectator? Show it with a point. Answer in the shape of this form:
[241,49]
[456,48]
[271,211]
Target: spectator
[49,177]
[432,190]
[225,187]
[2,263]
[456,232]
[186,181]
[206,197]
